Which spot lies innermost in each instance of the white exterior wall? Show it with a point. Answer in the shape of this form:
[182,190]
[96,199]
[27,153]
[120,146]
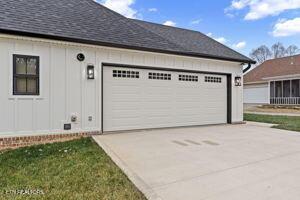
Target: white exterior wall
[257,93]
[64,89]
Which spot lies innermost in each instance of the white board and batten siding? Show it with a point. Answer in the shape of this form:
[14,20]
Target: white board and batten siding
[256,93]
[65,90]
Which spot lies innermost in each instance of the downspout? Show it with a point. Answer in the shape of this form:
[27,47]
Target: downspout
[247,68]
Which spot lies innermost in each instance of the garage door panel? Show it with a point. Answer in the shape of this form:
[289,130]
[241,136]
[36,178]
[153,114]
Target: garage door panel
[126,124]
[125,113]
[141,103]
[157,113]
[127,105]
[126,98]
[158,107]
[126,90]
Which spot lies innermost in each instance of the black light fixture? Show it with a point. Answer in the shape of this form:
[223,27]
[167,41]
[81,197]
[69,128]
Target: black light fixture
[80,57]
[90,72]
[238,81]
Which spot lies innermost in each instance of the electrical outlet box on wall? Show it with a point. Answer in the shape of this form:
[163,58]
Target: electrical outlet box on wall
[74,118]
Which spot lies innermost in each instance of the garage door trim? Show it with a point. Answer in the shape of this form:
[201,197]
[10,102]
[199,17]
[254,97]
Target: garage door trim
[228,75]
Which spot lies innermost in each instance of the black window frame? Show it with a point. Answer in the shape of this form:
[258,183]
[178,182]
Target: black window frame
[188,78]
[26,76]
[125,74]
[213,79]
[159,76]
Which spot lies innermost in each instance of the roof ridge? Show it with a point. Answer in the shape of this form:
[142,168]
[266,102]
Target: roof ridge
[129,21]
[107,9]
[175,27]
[157,34]
[285,57]
[185,29]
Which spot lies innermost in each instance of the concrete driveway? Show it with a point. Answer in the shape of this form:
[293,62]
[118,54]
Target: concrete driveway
[226,162]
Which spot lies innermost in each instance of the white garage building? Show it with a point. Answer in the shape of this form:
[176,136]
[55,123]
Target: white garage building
[76,66]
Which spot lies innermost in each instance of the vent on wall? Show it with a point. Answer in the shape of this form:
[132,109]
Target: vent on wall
[212,79]
[125,74]
[159,76]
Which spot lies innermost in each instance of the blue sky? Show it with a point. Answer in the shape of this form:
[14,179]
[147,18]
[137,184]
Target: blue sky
[239,24]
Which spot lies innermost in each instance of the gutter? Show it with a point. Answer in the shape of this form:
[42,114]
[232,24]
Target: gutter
[247,68]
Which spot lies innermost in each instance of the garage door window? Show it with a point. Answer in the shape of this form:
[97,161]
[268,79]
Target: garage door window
[125,74]
[191,78]
[213,79]
[159,76]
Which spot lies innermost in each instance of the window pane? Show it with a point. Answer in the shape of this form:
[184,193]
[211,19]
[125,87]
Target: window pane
[278,89]
[272,85]
[21,85]
[295,88]
[31,66]
[31,85]
[21,66]
[286,88]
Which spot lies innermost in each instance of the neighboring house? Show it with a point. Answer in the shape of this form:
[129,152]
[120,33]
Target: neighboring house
[274,82]
[76,66]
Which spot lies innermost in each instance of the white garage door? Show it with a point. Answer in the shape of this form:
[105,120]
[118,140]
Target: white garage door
[257,94]
[144,98]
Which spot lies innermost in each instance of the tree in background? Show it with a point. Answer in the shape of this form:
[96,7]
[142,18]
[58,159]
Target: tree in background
[292,50]
[278,50]
[263,53]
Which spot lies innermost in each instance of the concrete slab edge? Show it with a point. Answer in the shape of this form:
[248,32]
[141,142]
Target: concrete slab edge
[260,124]
[275,114]
[133,177]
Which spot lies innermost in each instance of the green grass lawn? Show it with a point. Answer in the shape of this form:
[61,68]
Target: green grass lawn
[284,122]
[77,169]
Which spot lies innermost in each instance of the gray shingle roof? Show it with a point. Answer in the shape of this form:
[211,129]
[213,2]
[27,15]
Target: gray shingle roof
[88,22]
[193,41]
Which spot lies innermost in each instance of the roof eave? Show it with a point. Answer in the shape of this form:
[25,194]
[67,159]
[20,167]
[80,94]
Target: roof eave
[98,43]
[289,76]
[255,82]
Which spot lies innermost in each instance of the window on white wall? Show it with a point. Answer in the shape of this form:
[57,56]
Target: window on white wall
[26,75]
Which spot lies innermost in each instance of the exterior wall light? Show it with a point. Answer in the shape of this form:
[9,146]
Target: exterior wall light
[80,57]
[90,72]
[238,81]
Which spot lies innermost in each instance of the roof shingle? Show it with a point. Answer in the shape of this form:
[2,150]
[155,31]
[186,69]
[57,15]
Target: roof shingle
[274,68]
[88,22]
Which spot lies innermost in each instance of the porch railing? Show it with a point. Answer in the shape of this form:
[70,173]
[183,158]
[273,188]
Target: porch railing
[285,100]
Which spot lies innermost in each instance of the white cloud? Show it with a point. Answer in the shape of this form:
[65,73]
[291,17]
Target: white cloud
[229,15]
[121,6]
[221,40]
[152,9]
[197,21]
[239,4]
[262,8]
[285,27]
[169,23]
[239,45]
